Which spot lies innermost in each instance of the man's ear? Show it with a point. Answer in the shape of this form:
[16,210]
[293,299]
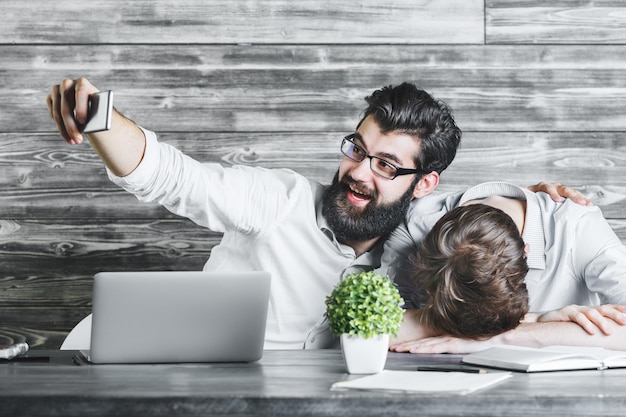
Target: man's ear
[426,185]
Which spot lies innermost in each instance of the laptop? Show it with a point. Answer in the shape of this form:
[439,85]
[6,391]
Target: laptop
[177,317]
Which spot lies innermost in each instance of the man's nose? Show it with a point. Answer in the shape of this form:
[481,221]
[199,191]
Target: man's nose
[361,171]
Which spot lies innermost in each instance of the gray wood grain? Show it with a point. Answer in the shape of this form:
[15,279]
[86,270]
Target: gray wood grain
[40,327]
[560,21]
[288,383]
[39,256]
[41,174]
[311,88]
[262,21]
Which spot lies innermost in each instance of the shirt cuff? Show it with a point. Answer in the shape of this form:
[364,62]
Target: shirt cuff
[146,167]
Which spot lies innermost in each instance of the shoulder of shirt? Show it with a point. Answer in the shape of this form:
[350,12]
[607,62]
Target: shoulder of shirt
[434,203]
[566,207]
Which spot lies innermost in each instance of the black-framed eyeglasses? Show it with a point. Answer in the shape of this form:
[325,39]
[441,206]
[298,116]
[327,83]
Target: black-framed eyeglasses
[378,165]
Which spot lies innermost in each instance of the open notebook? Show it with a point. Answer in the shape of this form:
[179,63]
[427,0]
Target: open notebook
[550,358]
[168,317]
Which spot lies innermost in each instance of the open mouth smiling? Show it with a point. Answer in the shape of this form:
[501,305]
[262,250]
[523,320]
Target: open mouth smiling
[357,197]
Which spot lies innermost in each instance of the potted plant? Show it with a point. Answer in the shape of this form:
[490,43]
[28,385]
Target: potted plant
[364,310]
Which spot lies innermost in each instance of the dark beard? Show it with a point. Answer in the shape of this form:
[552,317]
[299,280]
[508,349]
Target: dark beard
[351,224]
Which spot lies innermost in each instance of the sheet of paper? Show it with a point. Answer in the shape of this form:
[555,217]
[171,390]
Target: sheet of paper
[424,382]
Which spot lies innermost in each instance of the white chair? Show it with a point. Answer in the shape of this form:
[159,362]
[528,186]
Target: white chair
[79,338]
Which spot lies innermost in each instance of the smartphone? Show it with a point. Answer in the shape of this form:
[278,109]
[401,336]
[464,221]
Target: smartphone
[100,111]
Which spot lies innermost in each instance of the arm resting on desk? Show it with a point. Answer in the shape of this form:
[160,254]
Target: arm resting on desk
[526,334]
[590,318]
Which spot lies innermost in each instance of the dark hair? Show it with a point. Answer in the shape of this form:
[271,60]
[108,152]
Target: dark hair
[472,267]
[405,108]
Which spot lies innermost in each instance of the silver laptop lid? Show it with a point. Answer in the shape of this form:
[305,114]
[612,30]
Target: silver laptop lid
[183,316]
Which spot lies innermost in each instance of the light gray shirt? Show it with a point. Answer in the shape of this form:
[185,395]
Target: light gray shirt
[575,256]
[271,221]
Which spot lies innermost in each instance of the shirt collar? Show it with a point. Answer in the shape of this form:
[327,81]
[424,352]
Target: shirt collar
[322,223]
[533,233]
[368,259]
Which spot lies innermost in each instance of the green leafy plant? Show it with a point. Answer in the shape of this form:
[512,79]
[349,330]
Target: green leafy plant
[365,304]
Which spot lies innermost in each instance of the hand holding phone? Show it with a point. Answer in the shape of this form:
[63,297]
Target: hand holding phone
[99,113]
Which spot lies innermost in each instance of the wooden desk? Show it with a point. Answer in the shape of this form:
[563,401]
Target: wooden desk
[285,383]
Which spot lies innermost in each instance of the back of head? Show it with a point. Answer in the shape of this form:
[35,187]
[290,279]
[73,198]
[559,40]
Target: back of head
[471,268]
[408,109]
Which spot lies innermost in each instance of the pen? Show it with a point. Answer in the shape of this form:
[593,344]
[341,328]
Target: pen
[451,368]
[14,350]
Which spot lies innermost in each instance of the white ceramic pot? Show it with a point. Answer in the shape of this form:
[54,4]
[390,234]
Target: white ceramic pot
[364,356]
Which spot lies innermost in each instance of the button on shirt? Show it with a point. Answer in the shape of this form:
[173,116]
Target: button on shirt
[575,256]
[271,221]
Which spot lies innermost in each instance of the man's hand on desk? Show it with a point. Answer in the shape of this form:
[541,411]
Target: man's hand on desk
[444,344]
[592,319]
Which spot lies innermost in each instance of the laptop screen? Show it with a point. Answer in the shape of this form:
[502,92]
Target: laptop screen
[178,316]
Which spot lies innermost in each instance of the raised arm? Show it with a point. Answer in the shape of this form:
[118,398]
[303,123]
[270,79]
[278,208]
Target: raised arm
[121,148]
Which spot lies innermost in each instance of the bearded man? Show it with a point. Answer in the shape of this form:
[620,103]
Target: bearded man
[305,234]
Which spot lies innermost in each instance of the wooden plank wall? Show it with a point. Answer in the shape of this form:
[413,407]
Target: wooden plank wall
[539,89]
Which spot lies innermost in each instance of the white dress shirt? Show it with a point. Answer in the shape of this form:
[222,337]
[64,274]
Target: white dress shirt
[271,221]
